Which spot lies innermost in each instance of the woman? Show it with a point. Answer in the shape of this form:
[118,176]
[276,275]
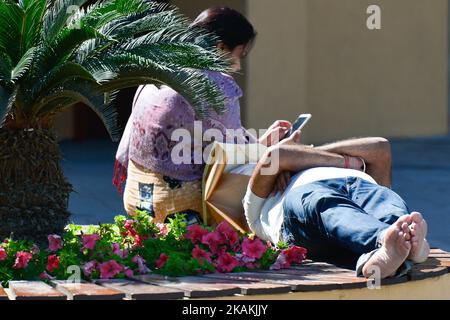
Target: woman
[154,182]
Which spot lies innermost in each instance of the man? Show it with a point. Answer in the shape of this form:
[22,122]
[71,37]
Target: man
[340,213]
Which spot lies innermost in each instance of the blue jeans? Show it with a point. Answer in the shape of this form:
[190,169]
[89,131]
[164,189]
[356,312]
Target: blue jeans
[340,220]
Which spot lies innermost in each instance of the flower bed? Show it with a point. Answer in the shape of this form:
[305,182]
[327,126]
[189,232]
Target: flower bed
[138,246]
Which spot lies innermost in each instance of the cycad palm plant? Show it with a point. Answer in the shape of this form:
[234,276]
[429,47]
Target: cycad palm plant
[58,53]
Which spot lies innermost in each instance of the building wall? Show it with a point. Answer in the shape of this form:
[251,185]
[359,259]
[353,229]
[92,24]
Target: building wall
[317,56]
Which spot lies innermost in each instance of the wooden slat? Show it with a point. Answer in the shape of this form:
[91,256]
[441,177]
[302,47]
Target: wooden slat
[278,278]
[433,267]
[437,251]
[249,287]
[344,279]
[3,295]
[135,290]
[33,290]
[194,287]
[87,291]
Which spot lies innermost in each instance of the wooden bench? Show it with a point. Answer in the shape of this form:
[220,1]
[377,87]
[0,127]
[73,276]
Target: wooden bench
[311,280]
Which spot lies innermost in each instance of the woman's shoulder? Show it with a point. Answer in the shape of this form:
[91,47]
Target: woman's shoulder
[226,83]
[151,96]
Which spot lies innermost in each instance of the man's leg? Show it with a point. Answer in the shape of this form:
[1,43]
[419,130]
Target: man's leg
[320,215]
[387,206]
[378,201]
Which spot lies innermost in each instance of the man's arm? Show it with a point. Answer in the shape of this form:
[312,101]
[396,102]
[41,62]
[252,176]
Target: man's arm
[293,158]
[376,152]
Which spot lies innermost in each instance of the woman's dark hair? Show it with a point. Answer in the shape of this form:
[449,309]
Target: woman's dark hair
[230,26]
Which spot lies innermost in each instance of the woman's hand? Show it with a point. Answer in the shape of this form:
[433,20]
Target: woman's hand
[276,132]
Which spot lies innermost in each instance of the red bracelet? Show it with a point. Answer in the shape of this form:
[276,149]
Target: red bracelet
[346,162]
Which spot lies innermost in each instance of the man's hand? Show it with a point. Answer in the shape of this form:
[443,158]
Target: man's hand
[281,183]
[275,133]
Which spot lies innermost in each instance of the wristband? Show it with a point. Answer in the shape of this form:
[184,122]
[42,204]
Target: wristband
[346,162]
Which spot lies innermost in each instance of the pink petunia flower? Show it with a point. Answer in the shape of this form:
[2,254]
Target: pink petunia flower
[52,262]
[195,233]
[128,273]
[89,241]
[138,239]
[110,269]
[226,263]
[89,267]
[201,254]
[116,250]
[253,248]
[230,235]
[287,257]
[295,254]
[245,261]
[162,260]
[22,260]
[280,263]
[129,226]
[141,264]
[213,240]
[54,242]
[162,229]
[3,254]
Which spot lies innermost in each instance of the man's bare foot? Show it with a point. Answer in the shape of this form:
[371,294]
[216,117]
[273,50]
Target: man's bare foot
[395,249]
[420,248]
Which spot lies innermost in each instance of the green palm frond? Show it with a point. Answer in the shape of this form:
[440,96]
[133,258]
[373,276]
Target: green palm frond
[194,85]
[54,53]
[23,65]
[87,93]
[5,67]
[55,18]
[65,72]
[11,18]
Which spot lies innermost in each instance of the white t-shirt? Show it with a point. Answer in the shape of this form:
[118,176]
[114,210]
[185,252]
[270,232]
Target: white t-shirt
[265,215]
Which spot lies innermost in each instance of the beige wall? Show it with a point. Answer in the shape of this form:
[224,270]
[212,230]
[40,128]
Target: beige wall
[318,56]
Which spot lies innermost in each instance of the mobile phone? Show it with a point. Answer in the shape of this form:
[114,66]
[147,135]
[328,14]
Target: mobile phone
[301,121]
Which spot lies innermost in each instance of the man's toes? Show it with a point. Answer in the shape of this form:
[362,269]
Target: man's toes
[416,217]
[406,231]
[403,219]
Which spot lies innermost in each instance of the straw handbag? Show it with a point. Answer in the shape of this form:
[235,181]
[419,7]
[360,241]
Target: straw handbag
[159,195]
[223,191]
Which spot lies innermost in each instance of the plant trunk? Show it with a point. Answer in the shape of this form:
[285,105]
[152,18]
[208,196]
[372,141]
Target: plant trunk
[34,192]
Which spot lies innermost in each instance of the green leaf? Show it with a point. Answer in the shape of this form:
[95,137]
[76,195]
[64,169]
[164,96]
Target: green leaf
[85,92]
[56,17]
[193,85]
[24,64]
[32,23]
[11,29]
[5,67]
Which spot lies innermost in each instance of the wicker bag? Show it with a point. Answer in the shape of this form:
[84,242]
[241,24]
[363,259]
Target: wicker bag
[159,195]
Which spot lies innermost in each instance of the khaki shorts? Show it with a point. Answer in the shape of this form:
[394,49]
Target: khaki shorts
[159,195]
